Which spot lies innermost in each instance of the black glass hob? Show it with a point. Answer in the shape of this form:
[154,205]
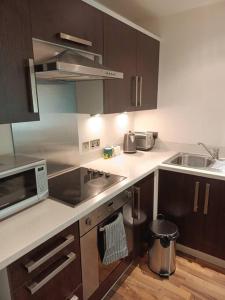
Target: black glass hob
[81,184]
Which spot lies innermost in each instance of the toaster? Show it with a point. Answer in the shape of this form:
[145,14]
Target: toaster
[145,140]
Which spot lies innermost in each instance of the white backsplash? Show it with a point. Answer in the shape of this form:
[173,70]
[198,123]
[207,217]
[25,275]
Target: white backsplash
[109,128]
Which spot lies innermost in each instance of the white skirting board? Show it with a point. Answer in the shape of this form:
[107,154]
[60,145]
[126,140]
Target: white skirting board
[203,256]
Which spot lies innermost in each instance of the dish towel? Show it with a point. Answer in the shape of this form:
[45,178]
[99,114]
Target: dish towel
[115,241]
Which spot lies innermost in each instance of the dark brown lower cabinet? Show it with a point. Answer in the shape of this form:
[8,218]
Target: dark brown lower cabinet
[196,204]
[143,213]
[51,271]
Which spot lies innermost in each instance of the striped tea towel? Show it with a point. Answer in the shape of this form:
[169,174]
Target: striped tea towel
[115,241]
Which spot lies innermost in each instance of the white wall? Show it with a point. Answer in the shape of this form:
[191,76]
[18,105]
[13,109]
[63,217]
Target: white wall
[5,139]
[191,105]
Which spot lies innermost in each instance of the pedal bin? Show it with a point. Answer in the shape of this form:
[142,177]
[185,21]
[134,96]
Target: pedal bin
[162,252]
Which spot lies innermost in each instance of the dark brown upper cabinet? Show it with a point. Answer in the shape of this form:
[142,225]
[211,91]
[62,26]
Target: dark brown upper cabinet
[119,54]
[80,24]
[147,70]
[18,98]
[137,56]
[196,204]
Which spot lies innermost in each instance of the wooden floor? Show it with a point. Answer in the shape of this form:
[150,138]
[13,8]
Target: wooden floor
[191,281]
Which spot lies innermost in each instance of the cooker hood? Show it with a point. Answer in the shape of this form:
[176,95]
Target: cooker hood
[71,65]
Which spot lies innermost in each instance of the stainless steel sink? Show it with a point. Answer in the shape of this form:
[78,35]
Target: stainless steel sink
[190,160]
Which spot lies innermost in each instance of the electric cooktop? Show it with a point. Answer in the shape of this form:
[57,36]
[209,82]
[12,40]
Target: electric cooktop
[81,184]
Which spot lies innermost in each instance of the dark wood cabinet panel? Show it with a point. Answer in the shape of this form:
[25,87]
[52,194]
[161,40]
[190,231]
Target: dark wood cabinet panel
[73,17]
[64,265]
[15,50]
[213,242]
[120,55]
[199,215]
[176,202]
[137,56]
[143,209]
[147,70]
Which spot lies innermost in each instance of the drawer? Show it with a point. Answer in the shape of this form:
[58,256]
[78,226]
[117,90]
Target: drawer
[58,281]
[44,256]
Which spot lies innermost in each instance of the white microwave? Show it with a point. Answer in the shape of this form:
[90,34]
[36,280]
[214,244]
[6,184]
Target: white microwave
[23,182]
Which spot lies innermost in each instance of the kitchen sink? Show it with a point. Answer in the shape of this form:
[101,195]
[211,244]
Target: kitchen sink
[190,160]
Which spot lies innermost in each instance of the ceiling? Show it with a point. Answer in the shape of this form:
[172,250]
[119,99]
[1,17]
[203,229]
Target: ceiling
[135,9]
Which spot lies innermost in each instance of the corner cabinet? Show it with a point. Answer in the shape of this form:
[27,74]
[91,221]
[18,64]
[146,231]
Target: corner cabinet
[80,24]
[143,213]
[137,56]
[18,98]
[197,205]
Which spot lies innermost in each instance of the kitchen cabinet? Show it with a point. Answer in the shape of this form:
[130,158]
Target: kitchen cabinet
[18,98]
[74,18]
[120,55]
[51,271]
[137,56]
[143,213]
[196,204]
[147,70]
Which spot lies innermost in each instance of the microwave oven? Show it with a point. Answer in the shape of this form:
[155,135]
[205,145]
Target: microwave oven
[23,182]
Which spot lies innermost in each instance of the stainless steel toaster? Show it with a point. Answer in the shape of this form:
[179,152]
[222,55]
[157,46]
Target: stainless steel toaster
[145,140]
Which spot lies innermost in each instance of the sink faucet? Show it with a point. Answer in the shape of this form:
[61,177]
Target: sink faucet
[214,152]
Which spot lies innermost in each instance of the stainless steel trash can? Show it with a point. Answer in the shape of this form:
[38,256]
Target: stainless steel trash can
[162,252]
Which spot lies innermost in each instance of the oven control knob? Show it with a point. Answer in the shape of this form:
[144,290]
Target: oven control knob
[88,221]
[101,173]
[107,174]
[89,170]
[95,171]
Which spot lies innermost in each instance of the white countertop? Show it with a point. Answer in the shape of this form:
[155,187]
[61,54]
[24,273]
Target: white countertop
[26,230]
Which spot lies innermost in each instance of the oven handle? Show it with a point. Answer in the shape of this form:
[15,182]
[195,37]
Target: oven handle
[32,265]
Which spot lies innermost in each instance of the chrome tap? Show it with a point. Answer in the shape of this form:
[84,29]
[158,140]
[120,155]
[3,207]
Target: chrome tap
[214,152]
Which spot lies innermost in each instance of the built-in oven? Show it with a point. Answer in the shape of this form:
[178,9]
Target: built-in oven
[97,275]
[23,182]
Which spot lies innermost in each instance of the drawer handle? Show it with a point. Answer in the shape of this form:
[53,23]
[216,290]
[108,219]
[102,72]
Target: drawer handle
[35,286]
[75,39]
[206,204]
[32,265]
[141,89]
[195,208]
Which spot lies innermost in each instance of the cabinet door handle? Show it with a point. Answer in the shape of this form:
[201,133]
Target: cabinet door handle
[35,286]
[75,39]
[195,208]
[74,298]
[137,203]
[140,91]
[206,204]
[32,265]
[136,91]
[33,86]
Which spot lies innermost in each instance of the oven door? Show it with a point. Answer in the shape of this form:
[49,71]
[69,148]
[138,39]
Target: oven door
[16,191]
[106,270]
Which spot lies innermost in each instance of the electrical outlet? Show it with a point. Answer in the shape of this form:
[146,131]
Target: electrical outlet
[95,144]
[85,146]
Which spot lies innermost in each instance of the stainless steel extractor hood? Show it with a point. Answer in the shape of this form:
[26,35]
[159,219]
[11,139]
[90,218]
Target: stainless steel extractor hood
[71,65]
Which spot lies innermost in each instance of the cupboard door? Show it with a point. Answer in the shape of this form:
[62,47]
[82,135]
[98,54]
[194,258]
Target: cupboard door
[15,50]
[72,17]
[180,200]
[147,70]
[143,213]
[120,55]
[213,242]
